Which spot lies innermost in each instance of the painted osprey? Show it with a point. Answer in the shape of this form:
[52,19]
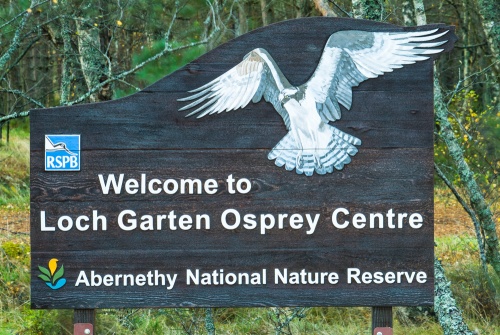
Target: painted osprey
[349,58]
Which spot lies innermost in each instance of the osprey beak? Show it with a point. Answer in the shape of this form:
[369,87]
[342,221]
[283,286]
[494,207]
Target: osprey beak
[283,98]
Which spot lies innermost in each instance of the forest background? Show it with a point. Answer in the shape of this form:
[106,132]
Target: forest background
[61,52]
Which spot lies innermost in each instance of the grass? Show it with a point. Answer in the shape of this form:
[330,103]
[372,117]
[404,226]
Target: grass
[456,247]
[14,169]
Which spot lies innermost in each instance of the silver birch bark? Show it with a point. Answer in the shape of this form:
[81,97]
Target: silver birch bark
[445,306]
[420,17]
[490,14]
[242,27]
[90,56]
[67,55]
[407,10]
[357,9]
[478,203]
[490,20]
[264,9]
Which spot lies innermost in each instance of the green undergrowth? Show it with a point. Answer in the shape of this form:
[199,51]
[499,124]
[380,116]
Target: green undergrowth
[14,169]
[473,288]
[458,254]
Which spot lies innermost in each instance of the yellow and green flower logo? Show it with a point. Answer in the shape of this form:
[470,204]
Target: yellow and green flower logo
[52,276]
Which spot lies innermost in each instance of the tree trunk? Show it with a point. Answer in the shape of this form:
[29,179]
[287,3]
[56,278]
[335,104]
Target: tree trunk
[357,9]
[299,5]
[466,51]
[14,44]
[407,11]
[478,203]
[242,27]
[490,20]
[490,13]
[90,55]
[209,321]
[264,9]
[420,17]
[324,8]
[449,315]
[66,69]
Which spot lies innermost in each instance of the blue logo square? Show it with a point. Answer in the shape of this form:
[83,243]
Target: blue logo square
[62,152]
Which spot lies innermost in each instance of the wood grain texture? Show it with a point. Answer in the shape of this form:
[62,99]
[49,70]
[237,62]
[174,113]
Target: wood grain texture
[381,317]
[145,134]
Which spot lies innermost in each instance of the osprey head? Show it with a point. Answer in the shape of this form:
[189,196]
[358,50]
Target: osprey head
[290,93]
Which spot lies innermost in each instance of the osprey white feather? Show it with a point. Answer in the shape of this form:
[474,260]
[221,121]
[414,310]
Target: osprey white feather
[349,58]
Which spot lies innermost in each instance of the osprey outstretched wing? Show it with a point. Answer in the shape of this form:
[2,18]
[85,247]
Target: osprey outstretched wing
[256,76]
[349,58]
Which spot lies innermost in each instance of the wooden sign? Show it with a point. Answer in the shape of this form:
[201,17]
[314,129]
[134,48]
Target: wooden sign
[315,198]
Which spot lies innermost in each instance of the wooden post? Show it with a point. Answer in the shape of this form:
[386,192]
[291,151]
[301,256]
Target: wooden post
[83,321]
[382,320]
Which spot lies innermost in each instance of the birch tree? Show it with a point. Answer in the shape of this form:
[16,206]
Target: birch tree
[449,315]
[478,203]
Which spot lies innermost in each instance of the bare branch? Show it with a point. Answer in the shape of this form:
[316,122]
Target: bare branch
[14,45]
[323,7]
[167,49]
[24,95]
[478,203]
[477,226]
[340,8]
[13,116]
[23,13]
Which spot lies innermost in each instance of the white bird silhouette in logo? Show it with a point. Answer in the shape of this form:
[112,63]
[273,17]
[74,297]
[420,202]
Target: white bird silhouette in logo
[349,58]
[59,146]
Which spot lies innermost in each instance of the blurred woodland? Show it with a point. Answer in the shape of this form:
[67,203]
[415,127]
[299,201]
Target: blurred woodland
[59,52]
[62,52]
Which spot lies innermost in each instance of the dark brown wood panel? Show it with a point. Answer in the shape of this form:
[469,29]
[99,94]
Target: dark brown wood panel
[234,295]
[376,171]
[145,134]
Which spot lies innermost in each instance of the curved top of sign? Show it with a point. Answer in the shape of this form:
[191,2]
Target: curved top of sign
[142,189]
[310,70]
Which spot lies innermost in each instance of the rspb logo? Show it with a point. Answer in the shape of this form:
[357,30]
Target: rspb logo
[62,152]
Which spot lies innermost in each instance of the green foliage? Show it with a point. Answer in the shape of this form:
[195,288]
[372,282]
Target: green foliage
[470,287]
[18,251]
[14,170]
[478,133]
[459,256]
[491,12]
[373,9]
[16,317]
[14,280]
[156,70]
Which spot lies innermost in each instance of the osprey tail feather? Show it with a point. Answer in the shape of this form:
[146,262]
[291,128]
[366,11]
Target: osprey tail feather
[324,158]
